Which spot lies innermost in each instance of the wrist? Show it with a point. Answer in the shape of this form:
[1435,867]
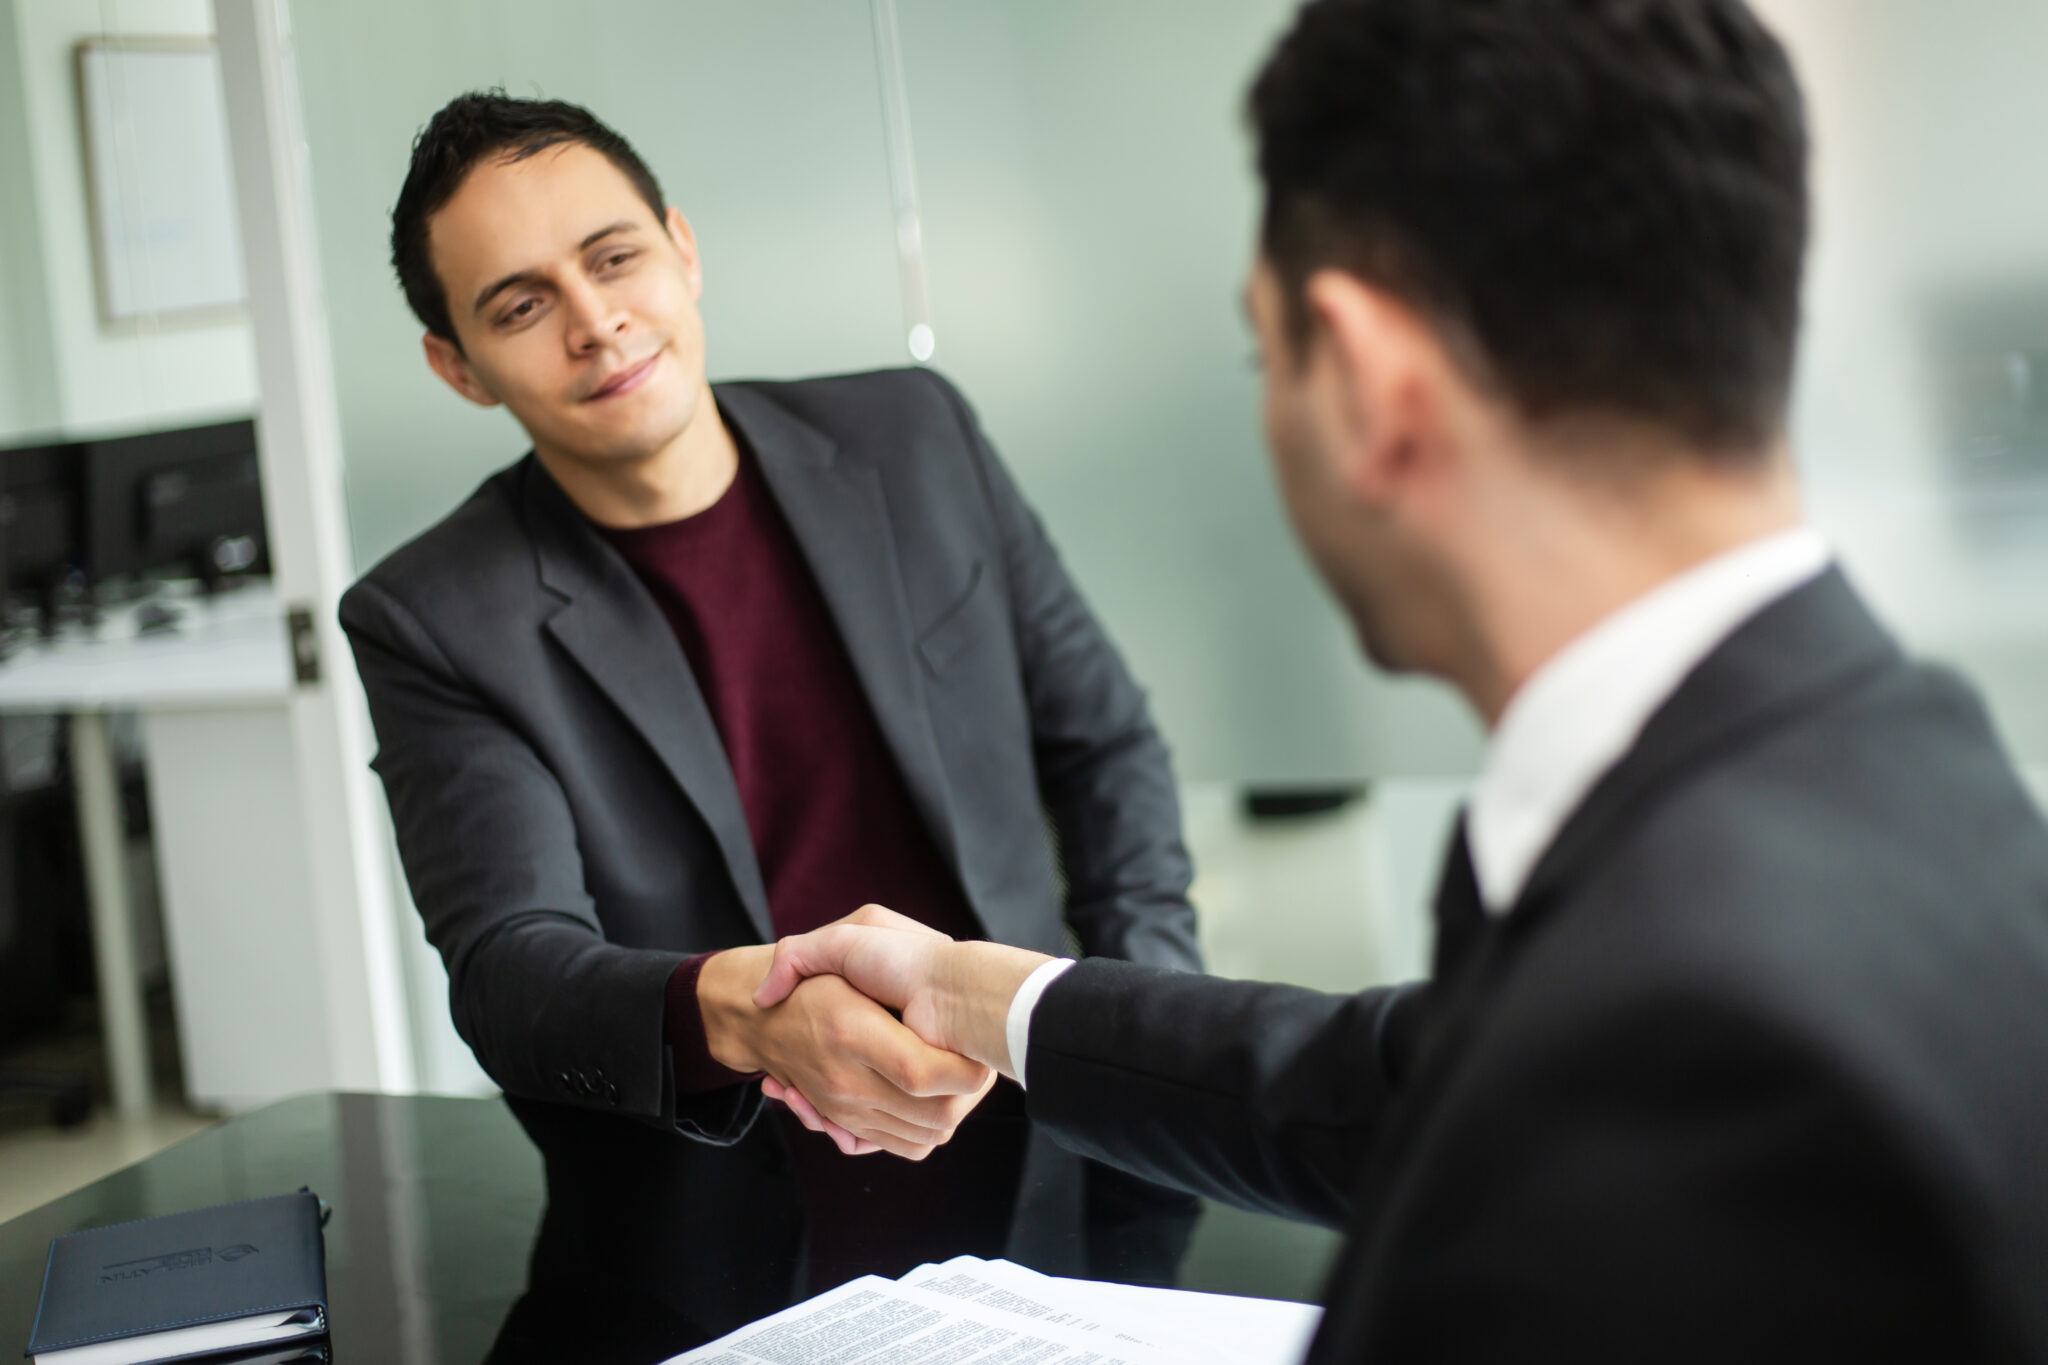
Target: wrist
[725,1000]
[975,987]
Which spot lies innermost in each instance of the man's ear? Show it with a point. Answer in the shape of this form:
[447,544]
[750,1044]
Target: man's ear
[445,360]
[679,232]
[1380,368]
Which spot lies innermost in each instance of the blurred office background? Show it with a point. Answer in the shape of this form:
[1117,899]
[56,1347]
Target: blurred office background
[1052,201]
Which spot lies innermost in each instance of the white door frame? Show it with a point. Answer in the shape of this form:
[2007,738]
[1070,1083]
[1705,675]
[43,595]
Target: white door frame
[359,972]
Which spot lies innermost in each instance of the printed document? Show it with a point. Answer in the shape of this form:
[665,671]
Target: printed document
[968,1311]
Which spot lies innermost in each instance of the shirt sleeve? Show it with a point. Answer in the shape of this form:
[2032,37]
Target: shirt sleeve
[1017,1027]
[696,1070]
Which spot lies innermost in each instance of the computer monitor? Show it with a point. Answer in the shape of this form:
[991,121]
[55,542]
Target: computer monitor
[170,503]
[39,518]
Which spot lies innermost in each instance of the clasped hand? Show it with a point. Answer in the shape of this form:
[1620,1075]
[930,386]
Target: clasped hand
[809,1014]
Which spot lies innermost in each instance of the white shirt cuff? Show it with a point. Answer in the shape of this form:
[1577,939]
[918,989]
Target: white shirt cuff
[1017,1029]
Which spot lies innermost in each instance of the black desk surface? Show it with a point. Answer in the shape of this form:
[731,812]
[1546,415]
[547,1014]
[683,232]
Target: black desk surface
[435,1206]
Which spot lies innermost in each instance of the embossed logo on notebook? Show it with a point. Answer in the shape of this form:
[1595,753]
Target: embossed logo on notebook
[190,1259]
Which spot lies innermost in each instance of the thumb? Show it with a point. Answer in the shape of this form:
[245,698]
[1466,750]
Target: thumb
[882,917]
[796,957]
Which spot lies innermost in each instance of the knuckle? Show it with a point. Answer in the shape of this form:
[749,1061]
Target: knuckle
[913,1076]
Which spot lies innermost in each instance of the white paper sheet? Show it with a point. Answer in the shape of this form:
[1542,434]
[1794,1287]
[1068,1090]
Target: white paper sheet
[872,1321]
[1204,1327]
[1251,1331]
[1007,1287]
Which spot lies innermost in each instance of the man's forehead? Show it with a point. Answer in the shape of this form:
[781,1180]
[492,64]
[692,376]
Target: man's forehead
[515,213]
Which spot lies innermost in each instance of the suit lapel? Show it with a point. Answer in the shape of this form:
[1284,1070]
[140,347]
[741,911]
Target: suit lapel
[837,512]
[1797,651]
[609,624]
[1793,655]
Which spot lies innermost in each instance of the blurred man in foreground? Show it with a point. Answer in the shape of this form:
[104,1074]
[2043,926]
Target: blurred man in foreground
[1735,1040]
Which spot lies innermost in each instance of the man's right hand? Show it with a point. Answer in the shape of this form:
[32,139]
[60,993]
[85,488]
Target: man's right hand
[882,1086]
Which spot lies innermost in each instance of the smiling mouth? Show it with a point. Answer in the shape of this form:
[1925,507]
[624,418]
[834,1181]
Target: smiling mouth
[625,381]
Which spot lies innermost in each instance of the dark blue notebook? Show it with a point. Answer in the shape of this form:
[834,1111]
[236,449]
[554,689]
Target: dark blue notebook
[185,1286]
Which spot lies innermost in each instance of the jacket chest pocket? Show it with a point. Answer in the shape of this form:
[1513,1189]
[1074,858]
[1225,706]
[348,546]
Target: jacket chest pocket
[957,627]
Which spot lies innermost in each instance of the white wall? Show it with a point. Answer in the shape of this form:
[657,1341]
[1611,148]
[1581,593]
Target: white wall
[89,375]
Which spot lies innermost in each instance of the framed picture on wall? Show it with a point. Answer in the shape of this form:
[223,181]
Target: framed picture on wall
[165,239]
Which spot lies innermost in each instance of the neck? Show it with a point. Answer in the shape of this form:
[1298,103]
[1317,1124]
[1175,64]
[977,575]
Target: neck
[678,480]
[1564,557]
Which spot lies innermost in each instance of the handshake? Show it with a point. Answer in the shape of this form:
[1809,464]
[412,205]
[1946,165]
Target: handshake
[813,1015]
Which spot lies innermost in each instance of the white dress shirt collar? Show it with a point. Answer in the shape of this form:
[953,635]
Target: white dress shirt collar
[1582,710]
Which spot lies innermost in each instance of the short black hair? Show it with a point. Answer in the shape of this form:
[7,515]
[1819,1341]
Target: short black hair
[468,130]
[1601,203]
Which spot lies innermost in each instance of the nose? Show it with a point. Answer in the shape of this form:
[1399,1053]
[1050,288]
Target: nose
[594,318]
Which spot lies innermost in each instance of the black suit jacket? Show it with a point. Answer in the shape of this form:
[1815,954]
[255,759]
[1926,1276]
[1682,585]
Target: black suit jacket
[570,828]
[1755,1069]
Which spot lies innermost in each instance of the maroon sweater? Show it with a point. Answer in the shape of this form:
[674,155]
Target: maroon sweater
[833,828]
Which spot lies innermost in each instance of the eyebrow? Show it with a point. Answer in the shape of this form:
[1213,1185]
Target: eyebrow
[519,277]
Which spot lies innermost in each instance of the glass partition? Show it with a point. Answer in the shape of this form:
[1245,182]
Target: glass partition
[1088,211]
[1921,416]
[1089,217]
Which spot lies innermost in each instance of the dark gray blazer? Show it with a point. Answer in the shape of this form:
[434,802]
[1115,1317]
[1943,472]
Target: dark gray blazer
[567,817]
[1756,1069]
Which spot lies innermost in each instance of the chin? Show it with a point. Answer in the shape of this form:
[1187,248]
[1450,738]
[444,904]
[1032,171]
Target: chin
[1370,628]
[1380,654]
[664,417]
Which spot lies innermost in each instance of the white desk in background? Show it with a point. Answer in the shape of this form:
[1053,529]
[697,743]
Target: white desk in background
[212,694]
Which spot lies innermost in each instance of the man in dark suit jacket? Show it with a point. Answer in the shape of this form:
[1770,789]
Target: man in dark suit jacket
[711,665]
[1735,1040]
